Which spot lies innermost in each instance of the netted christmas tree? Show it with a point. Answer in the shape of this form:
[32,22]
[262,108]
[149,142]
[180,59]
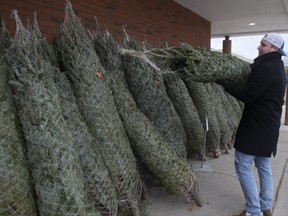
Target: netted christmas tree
[148,89]
[152,149]
[16,196]
[187,111]
[99,187]
[226,127]
[53,161]
[206,110]
[90,83]
[200,64]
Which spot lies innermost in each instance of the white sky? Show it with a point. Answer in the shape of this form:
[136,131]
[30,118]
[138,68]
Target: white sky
[245,46]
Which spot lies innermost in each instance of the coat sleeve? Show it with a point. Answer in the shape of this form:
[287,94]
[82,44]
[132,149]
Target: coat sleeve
[258,82]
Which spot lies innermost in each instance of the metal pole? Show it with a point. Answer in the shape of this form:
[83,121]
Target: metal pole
[206,128]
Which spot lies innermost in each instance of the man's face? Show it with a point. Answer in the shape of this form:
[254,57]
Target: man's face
[265,47]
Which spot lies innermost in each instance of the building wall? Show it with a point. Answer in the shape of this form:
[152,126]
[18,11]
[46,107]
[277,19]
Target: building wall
[155,21]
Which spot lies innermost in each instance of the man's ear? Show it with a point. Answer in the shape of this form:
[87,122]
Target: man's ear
[274,48]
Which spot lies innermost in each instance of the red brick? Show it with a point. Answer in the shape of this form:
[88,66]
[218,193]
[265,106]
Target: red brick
[156,21]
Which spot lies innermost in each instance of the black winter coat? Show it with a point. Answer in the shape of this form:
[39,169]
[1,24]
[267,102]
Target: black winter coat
[263,95]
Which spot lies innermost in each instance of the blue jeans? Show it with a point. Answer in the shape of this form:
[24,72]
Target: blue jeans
[255,202]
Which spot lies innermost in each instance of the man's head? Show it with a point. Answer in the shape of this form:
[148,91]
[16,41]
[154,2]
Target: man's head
[271,42]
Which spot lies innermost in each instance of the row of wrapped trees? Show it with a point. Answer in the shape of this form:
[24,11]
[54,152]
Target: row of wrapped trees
[85,120]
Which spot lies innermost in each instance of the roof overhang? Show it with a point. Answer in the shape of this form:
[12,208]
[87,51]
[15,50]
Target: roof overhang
[236,17]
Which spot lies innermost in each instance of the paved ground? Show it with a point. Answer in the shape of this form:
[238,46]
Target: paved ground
[220,190]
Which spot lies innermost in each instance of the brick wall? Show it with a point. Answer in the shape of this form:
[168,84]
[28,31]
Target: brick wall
[156,21]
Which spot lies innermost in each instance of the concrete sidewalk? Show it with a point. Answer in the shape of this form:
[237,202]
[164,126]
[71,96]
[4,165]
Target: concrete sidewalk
[219,187]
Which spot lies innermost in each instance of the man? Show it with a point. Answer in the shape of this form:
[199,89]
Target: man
[258,131]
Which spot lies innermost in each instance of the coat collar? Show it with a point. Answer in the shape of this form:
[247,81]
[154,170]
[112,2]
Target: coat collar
[265,57]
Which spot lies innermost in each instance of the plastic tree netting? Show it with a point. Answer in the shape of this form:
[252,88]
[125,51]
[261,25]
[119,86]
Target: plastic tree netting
[226,129]
[16,197]
[236,104]
[173,173]
[100,188]
[5,41]
[149,92]
[108,52]
[230,108]
[90,84]
[55,168]
[204,105]
[201,65]
[44,48]
[187,111]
